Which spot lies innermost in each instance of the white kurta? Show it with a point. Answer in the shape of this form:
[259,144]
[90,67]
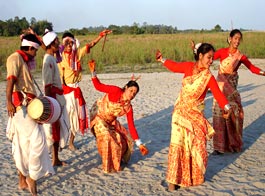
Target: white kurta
[51,76]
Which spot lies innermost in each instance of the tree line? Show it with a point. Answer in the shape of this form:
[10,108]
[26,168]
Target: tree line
[14,27]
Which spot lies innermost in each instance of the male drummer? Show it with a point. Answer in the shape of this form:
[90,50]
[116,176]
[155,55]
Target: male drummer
[29,146]
[56,133]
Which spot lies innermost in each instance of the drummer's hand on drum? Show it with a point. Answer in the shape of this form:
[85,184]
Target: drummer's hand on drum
[92,66]
[11,109]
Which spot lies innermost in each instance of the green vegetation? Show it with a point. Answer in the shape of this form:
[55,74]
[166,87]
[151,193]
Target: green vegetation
[136,53]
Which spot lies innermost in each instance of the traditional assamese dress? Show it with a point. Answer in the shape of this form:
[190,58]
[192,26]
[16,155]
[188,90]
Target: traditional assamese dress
[187,157]
[59,130]
[70,72]
[228,136]
[114,142]
[29,148]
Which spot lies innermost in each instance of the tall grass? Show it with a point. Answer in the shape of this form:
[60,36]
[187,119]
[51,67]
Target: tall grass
[129,53]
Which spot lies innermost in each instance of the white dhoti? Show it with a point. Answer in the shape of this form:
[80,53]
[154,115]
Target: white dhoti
[73,111]
[64,130]
[29,147]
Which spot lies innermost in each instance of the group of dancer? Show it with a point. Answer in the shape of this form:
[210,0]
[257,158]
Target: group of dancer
[61,74]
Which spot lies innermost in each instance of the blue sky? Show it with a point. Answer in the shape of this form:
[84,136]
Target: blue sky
[183,14]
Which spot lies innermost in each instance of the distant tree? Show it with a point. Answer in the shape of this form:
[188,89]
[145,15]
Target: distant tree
[23,23]
[11,29]
[136,29]
[217,28]
[33,21]
[115,29]
[40,26]
[2,27]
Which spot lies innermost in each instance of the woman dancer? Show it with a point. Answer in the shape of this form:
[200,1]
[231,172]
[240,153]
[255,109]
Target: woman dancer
[187,159]
[114,143]
[228,136]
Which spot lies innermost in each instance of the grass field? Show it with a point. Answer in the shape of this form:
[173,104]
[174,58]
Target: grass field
[136,53]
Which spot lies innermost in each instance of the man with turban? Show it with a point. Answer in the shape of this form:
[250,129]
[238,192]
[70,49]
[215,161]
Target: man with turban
[57,133]
[70,55]
[29,147]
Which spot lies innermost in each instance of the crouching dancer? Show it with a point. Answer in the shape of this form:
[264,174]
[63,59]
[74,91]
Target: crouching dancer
[114,142]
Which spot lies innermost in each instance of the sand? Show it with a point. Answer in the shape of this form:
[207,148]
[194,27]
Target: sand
[230,174]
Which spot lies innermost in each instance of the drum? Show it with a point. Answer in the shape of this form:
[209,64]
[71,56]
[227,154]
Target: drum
[44,109]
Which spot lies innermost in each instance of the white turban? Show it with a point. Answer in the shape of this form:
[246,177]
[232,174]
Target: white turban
[29,43]
[49,37]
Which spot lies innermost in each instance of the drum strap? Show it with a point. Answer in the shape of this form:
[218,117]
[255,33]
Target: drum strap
[41,94]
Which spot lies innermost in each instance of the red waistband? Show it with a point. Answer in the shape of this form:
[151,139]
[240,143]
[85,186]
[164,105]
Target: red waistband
[18,98]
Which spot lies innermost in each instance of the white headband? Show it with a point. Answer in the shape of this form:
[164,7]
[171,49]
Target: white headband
[48,38]
[29,43]
[68,38]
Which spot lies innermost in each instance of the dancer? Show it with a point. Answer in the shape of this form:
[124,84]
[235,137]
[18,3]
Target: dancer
[187,157]
[57,133]
[114,143]
[229,132]
[29,146]
[69,62]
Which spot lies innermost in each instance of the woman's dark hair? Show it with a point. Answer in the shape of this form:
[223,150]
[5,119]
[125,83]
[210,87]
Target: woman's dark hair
[235,31]
[232,34]
[68,34]
[130,84]
[203,49]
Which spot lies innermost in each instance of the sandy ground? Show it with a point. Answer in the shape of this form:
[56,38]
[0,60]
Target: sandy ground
[231,174]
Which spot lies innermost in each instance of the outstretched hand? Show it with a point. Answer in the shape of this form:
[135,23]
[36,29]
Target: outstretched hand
[158,55]
[143,149]
[92,65]
[105,32]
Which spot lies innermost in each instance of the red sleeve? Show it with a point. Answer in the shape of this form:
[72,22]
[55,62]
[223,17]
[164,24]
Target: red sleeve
[131,125]
[114,92]
[249,65]
[179,67]
[221,54]
[218,95]
[217,54]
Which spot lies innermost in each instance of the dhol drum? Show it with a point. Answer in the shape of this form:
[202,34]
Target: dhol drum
[44,109]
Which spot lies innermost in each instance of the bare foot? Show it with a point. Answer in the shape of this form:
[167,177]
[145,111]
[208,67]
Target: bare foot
[32,186]
[23,187]
[171,187]
[22,184]
[59,163]
[72,147]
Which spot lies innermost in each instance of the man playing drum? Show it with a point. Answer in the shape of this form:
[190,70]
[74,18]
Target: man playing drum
[57,133]
[29,146]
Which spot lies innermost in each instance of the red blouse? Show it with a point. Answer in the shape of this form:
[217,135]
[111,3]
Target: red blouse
[224,53]
[114,94]
[186,68]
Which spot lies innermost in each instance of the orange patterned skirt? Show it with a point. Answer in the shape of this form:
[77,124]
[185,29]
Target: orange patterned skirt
[113,145]
[187,157]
